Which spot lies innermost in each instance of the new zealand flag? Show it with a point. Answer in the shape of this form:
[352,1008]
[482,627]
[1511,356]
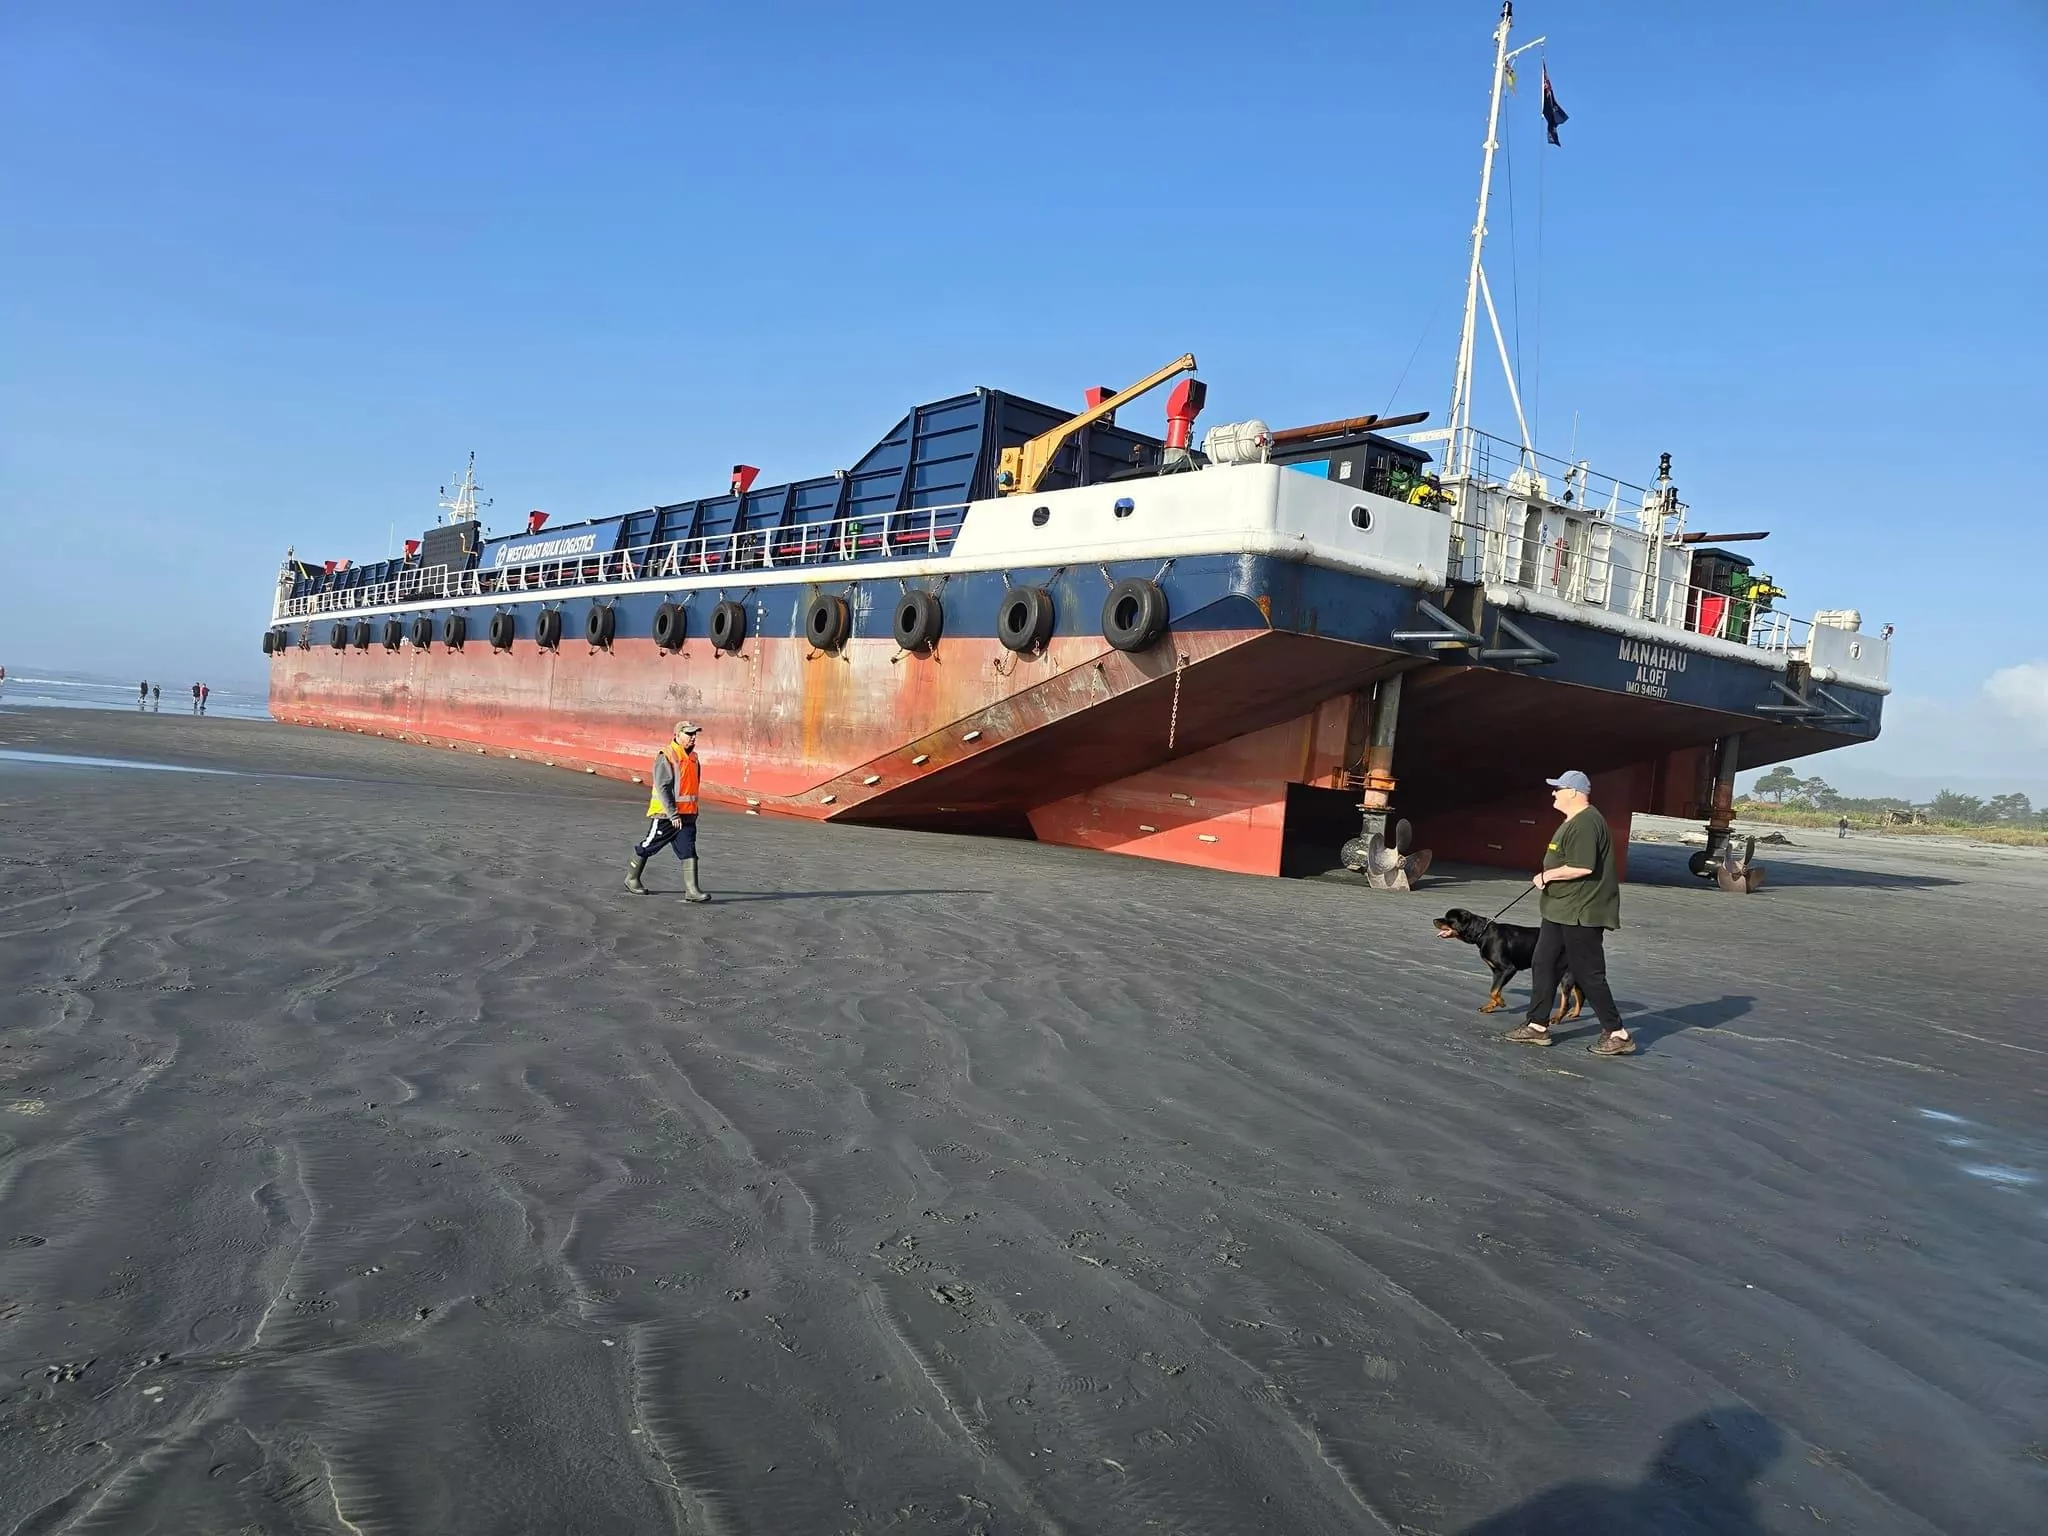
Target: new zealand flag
[1553,114]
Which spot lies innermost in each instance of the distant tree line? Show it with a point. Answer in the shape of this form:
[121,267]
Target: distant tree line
[1782,787]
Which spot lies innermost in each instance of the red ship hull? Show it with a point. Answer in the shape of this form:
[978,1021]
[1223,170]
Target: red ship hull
[1185,753]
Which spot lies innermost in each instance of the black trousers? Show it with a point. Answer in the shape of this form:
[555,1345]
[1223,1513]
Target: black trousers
[661,832]
[1583,952]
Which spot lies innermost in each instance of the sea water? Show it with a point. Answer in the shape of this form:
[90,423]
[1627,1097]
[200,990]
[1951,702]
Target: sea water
[47,688]
[64,760]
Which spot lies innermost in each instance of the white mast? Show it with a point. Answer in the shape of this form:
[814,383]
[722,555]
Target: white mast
[461,507]
[1458,460]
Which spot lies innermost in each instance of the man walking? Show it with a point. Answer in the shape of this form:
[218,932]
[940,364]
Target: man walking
[142,694]
[1581,900]
[195,698]
[672,811]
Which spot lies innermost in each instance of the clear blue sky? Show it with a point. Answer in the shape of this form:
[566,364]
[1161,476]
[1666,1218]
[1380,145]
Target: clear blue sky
[269,272]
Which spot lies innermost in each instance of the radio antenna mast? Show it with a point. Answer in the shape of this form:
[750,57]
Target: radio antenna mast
[1458,460]
[462,506]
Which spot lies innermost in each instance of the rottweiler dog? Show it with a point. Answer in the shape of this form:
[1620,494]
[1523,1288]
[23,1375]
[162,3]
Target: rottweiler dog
[1507,951]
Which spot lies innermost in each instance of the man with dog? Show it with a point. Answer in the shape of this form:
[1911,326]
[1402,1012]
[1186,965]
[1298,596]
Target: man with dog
[1581,900]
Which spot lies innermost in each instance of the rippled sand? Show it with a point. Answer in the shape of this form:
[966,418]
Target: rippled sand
[370,1162]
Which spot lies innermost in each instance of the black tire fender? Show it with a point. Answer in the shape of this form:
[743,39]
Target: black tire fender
[827,621]
[728,626]
[920,620]
[339,637]
[362,634]
[394,634]
[422,632]
[547,629]
[1025,619]
[600,624]
[455,630]
[1134,614]
[502,631]
[671,626]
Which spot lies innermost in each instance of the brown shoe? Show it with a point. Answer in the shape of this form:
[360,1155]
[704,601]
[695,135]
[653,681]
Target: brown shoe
[1528,1034]
[1613,1045]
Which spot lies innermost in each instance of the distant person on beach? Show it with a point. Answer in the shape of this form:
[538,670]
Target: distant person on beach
[672,811]
[1581,901]
[1842,827]
[204,693]
[195,698]
[156,698]
[141,693]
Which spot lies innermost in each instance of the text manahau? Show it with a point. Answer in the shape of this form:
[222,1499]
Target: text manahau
[1654,665]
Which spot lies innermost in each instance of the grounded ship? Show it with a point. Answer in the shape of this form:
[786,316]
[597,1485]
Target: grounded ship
[1011,617]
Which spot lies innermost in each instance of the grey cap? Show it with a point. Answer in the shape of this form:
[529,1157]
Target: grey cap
[687,728]
[1572,780]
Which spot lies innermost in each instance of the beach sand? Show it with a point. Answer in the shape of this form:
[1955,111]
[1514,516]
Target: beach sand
[370,1162]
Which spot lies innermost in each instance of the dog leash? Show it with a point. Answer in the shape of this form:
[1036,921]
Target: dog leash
[1525,891]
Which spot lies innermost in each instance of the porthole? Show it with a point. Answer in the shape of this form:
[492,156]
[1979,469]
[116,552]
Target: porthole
[1040,516]
[1361,519]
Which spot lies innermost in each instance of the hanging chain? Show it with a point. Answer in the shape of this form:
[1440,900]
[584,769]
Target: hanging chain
[1180,662]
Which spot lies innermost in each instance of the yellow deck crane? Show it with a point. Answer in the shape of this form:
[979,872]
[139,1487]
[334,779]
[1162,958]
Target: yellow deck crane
[1019,470]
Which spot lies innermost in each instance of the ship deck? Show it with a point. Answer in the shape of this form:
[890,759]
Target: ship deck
[366,1154]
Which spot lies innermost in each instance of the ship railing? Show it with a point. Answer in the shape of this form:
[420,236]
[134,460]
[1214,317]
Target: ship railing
[1724,616]
[919,531]
[409,585]
[898,535]
[1635,588]
[1508,467]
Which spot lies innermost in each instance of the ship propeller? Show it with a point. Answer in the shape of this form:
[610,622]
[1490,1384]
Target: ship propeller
[1387,868]
[1738,874]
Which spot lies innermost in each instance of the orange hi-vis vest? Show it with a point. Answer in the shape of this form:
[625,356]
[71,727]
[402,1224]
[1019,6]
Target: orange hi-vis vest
[688,774]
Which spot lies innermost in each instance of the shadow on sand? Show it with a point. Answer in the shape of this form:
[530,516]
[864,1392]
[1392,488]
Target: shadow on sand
[1649,1028]
[1658,865]
[735,896]
[1699,1485]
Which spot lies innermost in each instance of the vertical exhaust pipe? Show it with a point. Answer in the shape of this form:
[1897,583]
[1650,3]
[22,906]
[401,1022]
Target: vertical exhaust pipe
[1182,407]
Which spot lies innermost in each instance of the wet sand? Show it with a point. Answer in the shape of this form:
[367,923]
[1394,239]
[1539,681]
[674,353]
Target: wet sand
[369,1162]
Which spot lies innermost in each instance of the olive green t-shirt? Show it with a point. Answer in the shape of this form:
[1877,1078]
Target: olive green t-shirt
[1583,842]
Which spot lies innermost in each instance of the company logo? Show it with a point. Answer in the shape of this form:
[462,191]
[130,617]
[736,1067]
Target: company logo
[527,551]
